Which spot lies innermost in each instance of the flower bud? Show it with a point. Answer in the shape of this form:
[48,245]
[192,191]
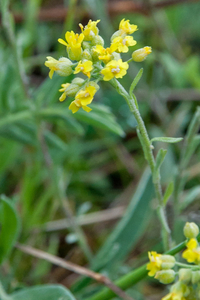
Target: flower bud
[86,45]
[166,276]
[195,277]
[74,54]
[116,34]
[190,230]
[72,89]
[185,275]
[95,55]
[64,67]
[116,56]
[97,40]
[141,54]
[94,84]
[168,262]
[86,55]
[78,81]
[180,288]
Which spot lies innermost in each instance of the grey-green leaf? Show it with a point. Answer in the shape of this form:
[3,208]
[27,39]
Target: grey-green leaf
[101,117]
[126,234]
[191,195]
[166,139]
[9,227]
[43,292]
[159,160]
[135,81]
[168,192]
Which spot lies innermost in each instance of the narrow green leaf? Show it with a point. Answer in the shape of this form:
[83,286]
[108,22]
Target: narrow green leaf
[135,81]
[101,117]
[190,196]
[166,139]
[13,118]
[18,134]
[9,227]
[191,148]
[43,292]
[128,230]
[159,160]
[54,141]
[56,113]
[168,192]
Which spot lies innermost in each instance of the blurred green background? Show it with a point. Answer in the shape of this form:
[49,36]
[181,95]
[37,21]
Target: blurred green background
[86,167]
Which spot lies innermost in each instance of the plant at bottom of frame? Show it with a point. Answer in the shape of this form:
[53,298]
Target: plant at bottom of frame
[187,277]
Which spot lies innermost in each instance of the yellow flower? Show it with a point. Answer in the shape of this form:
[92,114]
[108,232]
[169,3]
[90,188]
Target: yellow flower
[84,67]
[83,98]
[90,30]
[178,291]
[73,44]
[115,68]
[64,94]
[155,263]
[104,54]
[192,254]
[121,44]
[141,54]
[61,66]
[126,27]
[174,296]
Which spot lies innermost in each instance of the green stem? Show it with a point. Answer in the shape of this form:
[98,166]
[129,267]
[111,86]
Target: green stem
[147,148]
[187,266]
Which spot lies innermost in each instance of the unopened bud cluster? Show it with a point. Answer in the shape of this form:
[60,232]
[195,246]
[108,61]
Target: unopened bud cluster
[187,285]
[87,55]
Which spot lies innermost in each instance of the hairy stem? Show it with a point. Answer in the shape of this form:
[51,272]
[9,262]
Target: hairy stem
[147,148]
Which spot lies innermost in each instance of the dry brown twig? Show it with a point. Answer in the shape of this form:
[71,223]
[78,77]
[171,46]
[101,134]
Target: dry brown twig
[74,268]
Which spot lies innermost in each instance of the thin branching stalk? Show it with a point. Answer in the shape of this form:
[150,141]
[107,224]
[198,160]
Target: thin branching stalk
[147,148]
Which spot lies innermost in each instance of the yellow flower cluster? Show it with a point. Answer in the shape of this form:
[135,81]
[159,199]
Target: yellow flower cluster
[87,55]
[188,285]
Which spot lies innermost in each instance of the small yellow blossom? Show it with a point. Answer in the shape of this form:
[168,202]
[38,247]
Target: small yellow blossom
[73,44]
[174,296]
[64,94]
[104,54]
[155,263]
[192,254]
[90,30]
[61,66]
[83,98]
[126,27]
[141,54]
[121,44]
[178,291]
[84,67]
[115,68]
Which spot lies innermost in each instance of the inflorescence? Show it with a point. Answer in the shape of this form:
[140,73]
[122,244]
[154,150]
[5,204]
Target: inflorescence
[87,55]
[187,285]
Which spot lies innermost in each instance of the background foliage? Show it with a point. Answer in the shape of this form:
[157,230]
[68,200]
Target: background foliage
[62,173]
